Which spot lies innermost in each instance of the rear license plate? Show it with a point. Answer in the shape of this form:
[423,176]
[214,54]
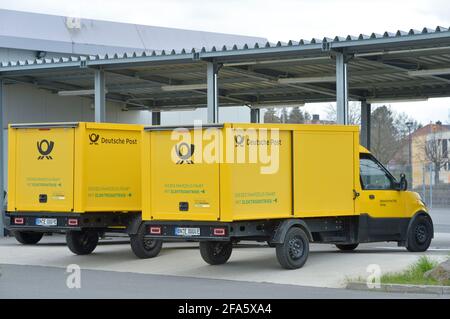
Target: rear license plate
[187,231]
[46,221]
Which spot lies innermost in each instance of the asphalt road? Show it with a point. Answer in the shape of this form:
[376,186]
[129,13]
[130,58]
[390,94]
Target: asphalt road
[112,271]
[50,282]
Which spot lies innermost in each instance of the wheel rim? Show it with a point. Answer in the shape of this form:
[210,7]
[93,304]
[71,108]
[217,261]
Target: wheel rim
[149,244]
[219,249]
[421,233]
[86,239]
[296,248]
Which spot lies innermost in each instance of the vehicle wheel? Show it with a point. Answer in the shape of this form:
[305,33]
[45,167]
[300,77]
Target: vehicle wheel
[144,247]
[420,234]
[82,242]
[28,237]
[216,252]
[347,247]
[293,253]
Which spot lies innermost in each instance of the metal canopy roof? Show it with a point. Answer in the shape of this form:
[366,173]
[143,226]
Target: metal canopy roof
[389,66]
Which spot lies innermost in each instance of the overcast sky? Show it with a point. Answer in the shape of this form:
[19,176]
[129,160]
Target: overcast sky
[273,19]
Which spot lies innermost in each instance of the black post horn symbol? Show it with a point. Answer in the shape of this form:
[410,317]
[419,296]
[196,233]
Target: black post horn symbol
[45,152]
[94,138]
[186,156]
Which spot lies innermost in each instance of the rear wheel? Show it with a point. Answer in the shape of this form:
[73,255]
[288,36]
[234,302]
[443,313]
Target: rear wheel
[82,242]
[28,237]
[347,247]
[293,253]
[144,247]
[420,234]
[215,252]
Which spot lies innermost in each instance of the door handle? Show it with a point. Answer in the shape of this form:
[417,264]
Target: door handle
[371,196]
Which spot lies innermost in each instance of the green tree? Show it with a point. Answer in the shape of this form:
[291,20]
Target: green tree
[270,116]
[298,116]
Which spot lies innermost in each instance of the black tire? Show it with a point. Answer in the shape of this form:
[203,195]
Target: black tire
[347,247]
[144,247]
[28,237]
[216,252]
[293,253]
[419,234]
[82,242]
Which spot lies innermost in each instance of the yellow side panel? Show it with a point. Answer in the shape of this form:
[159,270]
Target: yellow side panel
[248,191]
[44,164]
[112,174]
[324,173]
[183,187]
[146,177]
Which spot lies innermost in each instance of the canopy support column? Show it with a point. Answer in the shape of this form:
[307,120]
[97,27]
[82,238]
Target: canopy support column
[212,92]
[365,124]
[2,163]
[254,116]
[100,96]
[156,118]
[341,89]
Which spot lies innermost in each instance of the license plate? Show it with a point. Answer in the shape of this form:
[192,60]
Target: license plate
[46,221]
[187,231]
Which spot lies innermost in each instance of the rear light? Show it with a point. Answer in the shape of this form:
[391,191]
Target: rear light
[72,222]
[19,221]
[155,230]
[219,231]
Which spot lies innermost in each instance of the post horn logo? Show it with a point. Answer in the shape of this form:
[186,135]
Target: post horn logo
[239,140]
[94,138]
[45,148]
[185,152]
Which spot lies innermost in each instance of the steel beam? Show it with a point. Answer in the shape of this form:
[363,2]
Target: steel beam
[100,96]
[2,163]
[341,89]
[156,118]
[365,124]
[212,71]
[254,116]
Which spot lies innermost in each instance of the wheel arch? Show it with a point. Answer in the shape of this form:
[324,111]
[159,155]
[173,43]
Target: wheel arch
[283,227]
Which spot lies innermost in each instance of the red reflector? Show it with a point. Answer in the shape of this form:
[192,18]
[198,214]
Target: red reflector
[155,230]
[19,220]
[72,222]
[44,129]
[219,231]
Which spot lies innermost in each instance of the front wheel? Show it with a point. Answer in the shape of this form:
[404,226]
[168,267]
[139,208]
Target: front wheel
[82,242]
[293,253]
[420,234]
[144,247]
[216,252]
[28,237]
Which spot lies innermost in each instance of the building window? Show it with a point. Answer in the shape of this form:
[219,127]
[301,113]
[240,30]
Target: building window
[445,148]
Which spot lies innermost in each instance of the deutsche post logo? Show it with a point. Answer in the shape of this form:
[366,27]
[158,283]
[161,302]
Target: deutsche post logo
[239,140]
[45,148]
[94,138]
[185,152]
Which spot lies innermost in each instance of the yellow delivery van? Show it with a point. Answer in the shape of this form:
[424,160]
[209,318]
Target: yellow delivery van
[79,178]
[285,184]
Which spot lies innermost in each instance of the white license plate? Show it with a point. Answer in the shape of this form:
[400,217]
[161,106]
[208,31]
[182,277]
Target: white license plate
[46,221]
[187,231]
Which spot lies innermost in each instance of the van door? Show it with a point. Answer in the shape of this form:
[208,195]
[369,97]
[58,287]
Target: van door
[44,164]
[379,196]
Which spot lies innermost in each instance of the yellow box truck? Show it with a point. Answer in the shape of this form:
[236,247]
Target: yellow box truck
[285,184]
[79,178]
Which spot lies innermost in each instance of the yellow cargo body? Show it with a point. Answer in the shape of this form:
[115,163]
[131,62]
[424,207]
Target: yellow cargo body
[221,173]
[74,167]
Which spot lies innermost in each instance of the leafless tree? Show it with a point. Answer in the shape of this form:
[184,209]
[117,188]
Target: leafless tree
[433,147]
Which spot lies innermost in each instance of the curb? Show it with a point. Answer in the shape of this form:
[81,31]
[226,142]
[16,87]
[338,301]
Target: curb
[417,289]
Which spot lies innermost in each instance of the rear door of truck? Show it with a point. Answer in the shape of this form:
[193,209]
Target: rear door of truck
[43,164]
[184,184]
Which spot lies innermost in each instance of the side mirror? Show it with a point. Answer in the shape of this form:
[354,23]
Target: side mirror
[403,184]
